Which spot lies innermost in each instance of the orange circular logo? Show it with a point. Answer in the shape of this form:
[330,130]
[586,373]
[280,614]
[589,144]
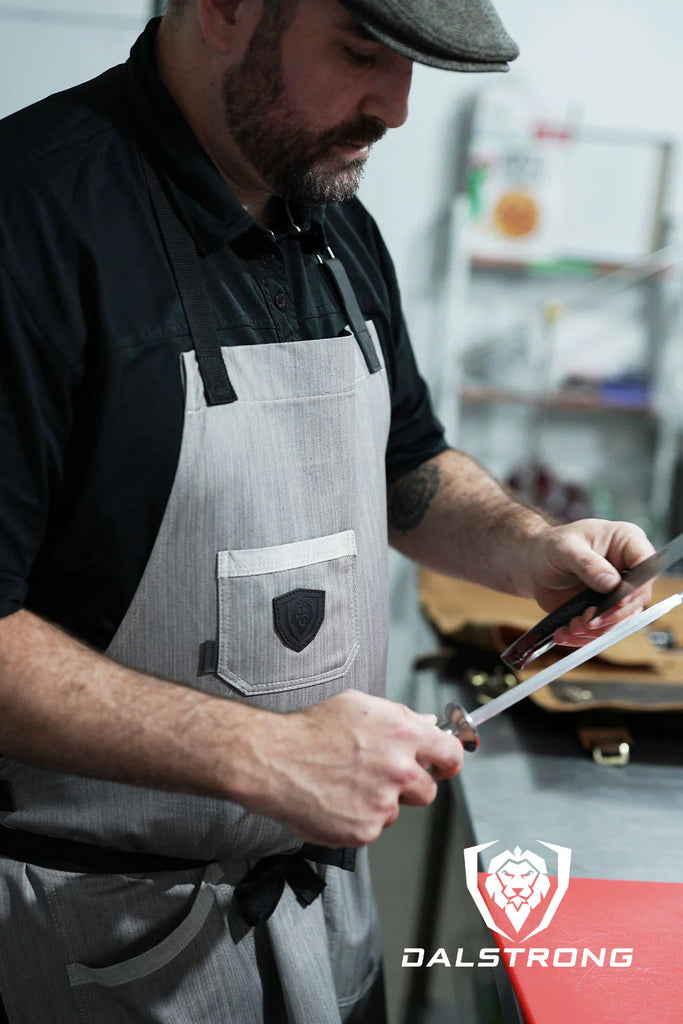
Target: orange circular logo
[516,214]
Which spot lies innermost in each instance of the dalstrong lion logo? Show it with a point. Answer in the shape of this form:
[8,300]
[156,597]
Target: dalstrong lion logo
[518,893]
[517,882]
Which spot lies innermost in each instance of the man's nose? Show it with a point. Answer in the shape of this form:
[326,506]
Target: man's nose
[387,101]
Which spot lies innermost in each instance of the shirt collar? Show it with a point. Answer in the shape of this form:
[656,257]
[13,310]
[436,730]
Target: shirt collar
[210,211]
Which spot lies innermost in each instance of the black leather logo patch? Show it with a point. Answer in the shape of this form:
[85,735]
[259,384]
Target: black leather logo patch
[297,617]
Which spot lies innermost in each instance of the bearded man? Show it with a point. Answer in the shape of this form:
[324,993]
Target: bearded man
[212,425]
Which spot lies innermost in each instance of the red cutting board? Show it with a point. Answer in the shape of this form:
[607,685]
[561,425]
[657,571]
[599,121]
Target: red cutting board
[646,917]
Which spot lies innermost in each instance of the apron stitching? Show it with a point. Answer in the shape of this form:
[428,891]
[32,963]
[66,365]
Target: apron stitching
[289,684]
[276,401]
[53,906]
[178,941]
[236,572]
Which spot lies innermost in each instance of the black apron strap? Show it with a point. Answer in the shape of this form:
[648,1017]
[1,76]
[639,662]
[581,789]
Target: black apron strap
[337,273]
[257,894]
[194,296]
[85,858]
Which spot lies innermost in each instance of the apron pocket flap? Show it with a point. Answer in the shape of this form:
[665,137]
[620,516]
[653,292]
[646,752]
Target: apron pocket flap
[288,614]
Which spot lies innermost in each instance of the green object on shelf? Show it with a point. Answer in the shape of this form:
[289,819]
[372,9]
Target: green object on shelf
[563,266]
[476,176]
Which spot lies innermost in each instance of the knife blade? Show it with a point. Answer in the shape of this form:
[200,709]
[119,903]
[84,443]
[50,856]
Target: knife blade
[463,724]
[539,639]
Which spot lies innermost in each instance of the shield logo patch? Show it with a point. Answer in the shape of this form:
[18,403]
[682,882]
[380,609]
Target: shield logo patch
[297,617]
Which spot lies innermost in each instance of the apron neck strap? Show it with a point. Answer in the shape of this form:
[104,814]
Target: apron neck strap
[187,270]
[336,271]
[189,278]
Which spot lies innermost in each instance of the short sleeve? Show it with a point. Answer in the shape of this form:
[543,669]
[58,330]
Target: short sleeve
[416,434]
[35,419]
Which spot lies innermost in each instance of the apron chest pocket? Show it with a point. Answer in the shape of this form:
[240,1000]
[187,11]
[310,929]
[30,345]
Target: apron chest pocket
[288,615]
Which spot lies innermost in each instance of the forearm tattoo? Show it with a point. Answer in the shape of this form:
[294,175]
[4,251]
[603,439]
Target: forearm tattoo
[412,497]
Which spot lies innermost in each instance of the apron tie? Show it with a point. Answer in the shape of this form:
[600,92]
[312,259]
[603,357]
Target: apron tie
[261,889]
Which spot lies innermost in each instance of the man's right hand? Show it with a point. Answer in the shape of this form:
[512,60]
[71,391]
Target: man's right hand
[337,772]
[332,774]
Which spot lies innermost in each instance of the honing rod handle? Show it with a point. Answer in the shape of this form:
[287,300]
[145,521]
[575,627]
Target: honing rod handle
[459,723]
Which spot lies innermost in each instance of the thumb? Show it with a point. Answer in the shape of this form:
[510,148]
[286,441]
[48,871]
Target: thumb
[598,573]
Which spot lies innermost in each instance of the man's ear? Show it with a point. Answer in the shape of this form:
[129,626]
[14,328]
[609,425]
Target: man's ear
[228,25]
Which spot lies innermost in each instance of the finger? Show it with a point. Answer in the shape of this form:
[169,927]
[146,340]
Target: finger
[598,551]
[589,625]
[563,638]
[634,602]
[598,573]
[391,817]
[575,634]
[578,633]
[577,630]
[580,625]
[575,557]
[443,753]
[628,545]
[442,773]
[421,790]
[609,621]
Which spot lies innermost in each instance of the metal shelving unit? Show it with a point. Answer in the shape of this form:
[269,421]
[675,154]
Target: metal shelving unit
[502,371]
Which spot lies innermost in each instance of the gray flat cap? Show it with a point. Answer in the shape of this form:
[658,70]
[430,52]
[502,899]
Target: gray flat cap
[459,35]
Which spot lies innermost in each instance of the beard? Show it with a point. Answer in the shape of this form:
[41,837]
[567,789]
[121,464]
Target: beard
[295,162]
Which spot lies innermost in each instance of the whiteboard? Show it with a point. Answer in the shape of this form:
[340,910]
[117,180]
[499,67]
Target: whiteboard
[613,198]
[594,195]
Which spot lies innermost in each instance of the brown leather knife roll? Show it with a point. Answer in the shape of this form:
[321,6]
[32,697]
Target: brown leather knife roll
[642,673]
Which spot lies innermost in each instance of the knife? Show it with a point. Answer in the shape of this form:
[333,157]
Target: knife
[539,639]
[464,724]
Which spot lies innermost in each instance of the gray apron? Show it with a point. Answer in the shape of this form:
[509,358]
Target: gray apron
[271,557]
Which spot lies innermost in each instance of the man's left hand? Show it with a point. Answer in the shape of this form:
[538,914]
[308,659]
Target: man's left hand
[563,560]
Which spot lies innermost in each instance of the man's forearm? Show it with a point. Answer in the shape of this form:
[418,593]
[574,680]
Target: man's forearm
[333,773]
[451,516]
[68,708]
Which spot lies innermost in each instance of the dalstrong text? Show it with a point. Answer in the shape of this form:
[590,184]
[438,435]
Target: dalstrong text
[563,956]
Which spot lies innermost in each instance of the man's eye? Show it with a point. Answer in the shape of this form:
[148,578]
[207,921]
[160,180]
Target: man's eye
[359,57]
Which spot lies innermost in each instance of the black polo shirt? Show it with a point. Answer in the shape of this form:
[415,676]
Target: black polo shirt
[91,324]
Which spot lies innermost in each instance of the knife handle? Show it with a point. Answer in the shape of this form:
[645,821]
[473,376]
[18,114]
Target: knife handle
[521,651]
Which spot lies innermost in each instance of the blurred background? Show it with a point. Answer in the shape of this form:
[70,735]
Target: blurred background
[523,212]
[536,223]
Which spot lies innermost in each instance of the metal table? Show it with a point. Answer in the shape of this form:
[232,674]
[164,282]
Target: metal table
[531,780]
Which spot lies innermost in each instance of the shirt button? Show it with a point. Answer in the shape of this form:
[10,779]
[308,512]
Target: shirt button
[280,300]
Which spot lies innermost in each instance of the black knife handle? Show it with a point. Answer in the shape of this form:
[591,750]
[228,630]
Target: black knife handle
[518,653]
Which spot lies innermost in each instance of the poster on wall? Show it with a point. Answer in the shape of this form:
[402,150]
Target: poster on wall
[542,191]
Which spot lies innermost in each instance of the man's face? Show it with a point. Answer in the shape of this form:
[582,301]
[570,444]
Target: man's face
[309,100]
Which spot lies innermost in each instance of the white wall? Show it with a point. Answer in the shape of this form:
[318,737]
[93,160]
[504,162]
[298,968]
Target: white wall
[609,63]
[612,63]
[48,45]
